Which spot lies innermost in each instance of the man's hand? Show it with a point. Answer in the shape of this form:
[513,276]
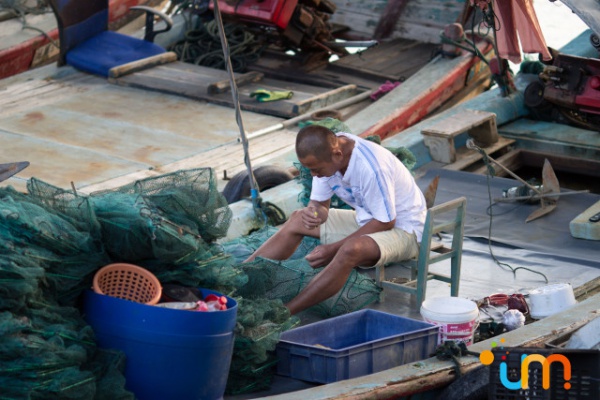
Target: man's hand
[321,255]
[310,217]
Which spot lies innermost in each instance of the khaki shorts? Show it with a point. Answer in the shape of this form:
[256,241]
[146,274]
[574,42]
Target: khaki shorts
[394,245]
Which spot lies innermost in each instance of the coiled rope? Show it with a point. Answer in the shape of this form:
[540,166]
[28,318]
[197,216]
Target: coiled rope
[202,46]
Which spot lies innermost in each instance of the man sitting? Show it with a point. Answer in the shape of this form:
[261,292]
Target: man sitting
[385,225]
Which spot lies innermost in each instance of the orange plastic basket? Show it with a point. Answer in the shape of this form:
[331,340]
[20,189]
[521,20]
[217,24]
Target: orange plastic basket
[129,282]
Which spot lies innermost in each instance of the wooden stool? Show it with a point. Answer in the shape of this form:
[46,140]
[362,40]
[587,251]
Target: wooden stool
[439,138]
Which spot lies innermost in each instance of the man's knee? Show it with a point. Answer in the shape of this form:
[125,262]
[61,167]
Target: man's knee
[360,251]
[294,222]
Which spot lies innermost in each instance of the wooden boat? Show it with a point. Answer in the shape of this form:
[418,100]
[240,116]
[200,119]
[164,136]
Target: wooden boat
[179,82]
[33,42]
[524,142]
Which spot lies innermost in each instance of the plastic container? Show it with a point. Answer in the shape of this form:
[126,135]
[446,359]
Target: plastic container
[171,354]
[352,345]
[550,299]
[457,317]
[128,282]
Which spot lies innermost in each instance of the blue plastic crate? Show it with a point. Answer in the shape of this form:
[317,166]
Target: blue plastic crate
[352,345]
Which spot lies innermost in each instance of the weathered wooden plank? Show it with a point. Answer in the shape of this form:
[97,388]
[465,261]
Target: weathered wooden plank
[382,61]
[418,96]
[41,91]
[193,82]
[59,163]
[466,157]
[229,157]
[224,85]
[324,99]
[554,138]
[140,65]
[510,160]
[195,90]
[561,162]
[421,19]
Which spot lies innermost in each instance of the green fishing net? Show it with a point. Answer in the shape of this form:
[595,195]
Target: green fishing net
[52,241]
[271,282]
[283,280]
[47,255]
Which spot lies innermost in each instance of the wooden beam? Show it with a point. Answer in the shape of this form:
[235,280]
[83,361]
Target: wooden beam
[223,86]
[389,17]
[324,99]
[581,166]
[466,157]
[511,160]
[140,65]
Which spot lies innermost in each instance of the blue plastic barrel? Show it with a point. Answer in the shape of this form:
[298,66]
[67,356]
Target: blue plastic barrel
[171,354]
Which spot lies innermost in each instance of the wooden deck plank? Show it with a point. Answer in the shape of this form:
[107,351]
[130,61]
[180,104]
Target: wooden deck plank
[60,164]
[68,121]
[193,81]
[395,60]
[466,157]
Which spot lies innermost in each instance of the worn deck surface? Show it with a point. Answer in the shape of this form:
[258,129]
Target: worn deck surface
[193,81]
[394,60]
[74,127]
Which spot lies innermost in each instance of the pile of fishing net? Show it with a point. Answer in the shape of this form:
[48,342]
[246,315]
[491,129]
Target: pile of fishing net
[280,281]
[46,348]
[52,242]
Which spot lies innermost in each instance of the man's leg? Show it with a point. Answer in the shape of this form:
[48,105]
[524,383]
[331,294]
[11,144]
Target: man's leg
[359,251]
[286,240]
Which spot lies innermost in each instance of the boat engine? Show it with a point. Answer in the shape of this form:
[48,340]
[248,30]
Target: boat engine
[298,25]
[568,91]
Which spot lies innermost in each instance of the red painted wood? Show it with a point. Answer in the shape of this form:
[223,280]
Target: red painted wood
[424,103]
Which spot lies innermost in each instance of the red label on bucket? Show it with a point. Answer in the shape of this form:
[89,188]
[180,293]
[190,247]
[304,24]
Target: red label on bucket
[458,332]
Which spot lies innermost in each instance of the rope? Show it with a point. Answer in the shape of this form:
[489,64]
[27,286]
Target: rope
[254,191]
[492,23]
[202,46]
[450,350]
[491,173]
[275,215]
[471,48]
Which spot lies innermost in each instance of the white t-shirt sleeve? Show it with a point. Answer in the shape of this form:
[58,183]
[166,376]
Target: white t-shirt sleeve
[320,191]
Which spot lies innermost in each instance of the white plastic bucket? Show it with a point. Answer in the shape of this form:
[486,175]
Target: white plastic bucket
[456,316]
[550,299]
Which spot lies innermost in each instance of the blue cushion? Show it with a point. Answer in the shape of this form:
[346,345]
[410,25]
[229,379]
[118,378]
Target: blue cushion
[108,49]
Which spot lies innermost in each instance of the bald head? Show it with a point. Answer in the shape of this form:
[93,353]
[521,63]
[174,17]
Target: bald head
[317,141]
